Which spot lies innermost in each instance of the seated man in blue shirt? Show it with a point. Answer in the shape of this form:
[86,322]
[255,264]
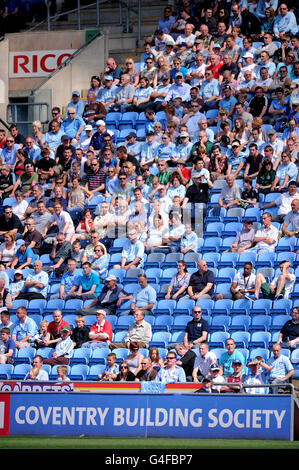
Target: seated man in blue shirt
[132,252]
[87,286]
[24,329]
[144,297]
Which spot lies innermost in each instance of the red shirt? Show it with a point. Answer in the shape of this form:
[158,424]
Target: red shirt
[55,330]
[104,327]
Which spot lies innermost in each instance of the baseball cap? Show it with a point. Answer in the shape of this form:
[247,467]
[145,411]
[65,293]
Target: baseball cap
[101,312]
[18,271]
[237,361]
[226,87]
[236,142]
[100,123]
[111,277]
[66,328]
[65,137]
[248,54]
[131,134]
[179,74]
[75,93]
[216,45]
[88,127]
[272,132]
[214,367]
[196,175]
[183,44]
[181,161]
[184,134]
[108,78]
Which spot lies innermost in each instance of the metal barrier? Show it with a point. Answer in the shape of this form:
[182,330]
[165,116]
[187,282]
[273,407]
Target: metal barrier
[122,5]
[33,111]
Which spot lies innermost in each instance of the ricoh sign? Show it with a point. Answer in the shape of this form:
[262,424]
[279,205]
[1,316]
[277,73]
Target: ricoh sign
[26,64]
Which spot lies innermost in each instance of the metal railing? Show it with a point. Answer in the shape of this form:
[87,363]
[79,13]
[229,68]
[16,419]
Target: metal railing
[123,5]
[33,112]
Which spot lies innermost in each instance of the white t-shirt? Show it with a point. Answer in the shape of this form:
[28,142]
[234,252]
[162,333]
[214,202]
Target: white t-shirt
[204,363]
[288,284]
[244,283]
[62,220]
[272,232]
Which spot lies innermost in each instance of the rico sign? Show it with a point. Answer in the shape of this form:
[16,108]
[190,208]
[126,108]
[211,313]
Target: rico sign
[24,64]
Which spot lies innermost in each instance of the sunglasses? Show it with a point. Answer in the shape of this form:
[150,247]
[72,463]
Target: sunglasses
[123,367]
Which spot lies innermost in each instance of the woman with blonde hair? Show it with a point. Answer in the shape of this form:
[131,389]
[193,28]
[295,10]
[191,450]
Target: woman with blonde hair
[162,70]
[37,134]
[8,249]
[132,72]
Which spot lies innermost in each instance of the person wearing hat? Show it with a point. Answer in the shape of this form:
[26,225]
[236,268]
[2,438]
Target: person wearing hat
[206,387]
[97,140]
[178,88]
[110,299]
[148,150]
[255,376]
[72,125]
[108,93]
[93,110]
[54,329]
[133,146]
[184,148]
[100,333]
[63,350]
[235,378]
[217,379]
[76,103]
[248,58]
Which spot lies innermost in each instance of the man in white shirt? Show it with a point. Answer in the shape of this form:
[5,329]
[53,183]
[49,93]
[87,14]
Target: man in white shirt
[283,202]
[63,221]
[266,237]
[203,362]
[279,288]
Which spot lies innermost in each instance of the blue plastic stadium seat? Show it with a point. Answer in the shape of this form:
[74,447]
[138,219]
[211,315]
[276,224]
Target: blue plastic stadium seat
[218,338]
[220,323]
[99,356]
[260,339]
[241,338]
[80,356]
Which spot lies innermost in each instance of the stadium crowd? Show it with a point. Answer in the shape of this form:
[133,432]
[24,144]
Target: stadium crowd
[150,231]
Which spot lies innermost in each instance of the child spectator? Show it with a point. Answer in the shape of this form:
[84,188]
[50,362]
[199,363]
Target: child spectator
[111,370]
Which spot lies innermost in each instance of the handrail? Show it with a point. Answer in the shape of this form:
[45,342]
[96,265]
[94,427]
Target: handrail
[65,63]
[90,5]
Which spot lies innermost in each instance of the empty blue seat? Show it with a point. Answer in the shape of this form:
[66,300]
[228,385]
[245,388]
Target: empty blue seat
[260,339]
[78,372]
[94,371]
[241,338]
[211,258]
[213,229]
[282,306]
[36,305]
[206,305]
[218,338]
[260,322]
[166,306]
[80,356]
[154,260]
[184,306]
[180,321]
[263,352]
[278,321]
[211,244]
[153,274]
[121,354]
[241,306]
[226,274]
[228,259]
[223,306]
[160,339]
[239,322]
[99,356]
[177,336]
[25,355]
[20,371]
[231,229]
[262,306]
[72,305]
[6,371]
[220,323]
